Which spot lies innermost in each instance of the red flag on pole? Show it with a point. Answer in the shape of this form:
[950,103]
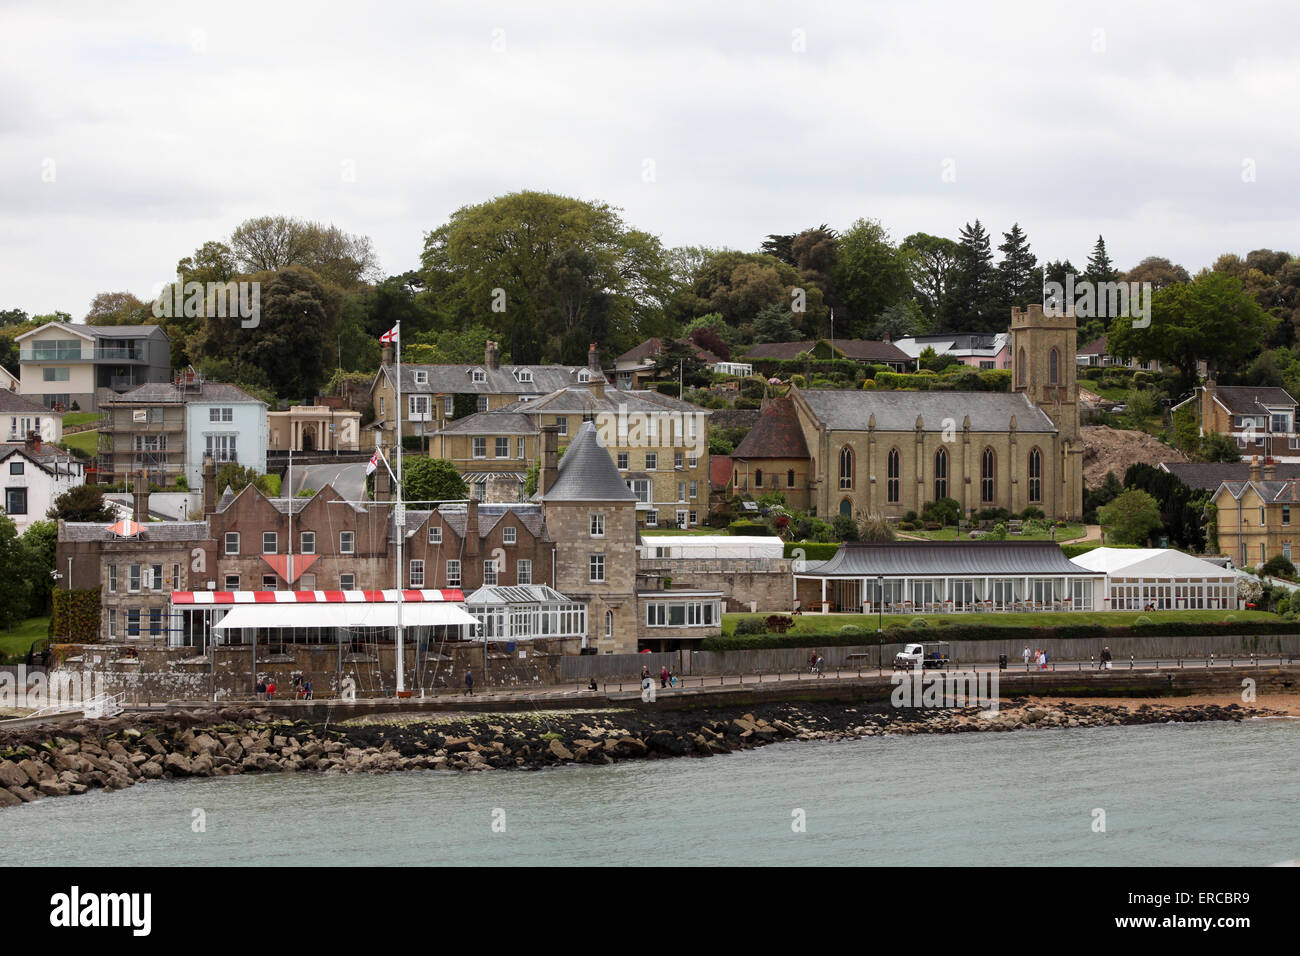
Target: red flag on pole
[390,335]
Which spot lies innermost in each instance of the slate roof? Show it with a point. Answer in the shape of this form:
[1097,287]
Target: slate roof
[867,350]
[166,392]
[489,516]
[100,331]
[1286,492]
[491,423]
[777,434]
[1251,400]
[587,473]
[947,559]
[580,399]
[651,348]
[849,410]
[13,403]
[1096,347]
[1209,475]
[504,380]
[153,531]
[48,458]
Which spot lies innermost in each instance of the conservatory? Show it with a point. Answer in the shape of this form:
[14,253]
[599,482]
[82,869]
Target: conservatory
[928,577]
[1138,579]
[525,613]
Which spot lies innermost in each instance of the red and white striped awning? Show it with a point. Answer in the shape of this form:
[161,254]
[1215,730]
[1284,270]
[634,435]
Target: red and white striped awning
[318,597]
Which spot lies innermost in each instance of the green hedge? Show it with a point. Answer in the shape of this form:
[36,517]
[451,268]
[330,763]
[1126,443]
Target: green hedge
[812,550]
[76,615]
[755,529]
[975,632]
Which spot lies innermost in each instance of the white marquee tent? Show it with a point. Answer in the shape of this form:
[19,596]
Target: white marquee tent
[1159,578]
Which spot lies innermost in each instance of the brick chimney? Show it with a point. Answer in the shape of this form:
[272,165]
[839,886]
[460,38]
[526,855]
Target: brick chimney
[1269,471]
[34,442]
[386,353]
[597,381]
[546,472]
[492,355]
[471,528]
[1254,467]
[209,485]
[141,497]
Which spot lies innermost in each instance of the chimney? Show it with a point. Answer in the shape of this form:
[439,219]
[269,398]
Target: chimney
[386,353]
[550,458]
[141,498]
[593,359]
[885,338]
[471,528]
[1269,470]
[34,442]
[209,485]
[492,355]
[1254,467]
[383,484]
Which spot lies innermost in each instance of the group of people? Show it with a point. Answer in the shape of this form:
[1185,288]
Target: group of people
[1039,657]
[302,688]
[667,676]
[816,664]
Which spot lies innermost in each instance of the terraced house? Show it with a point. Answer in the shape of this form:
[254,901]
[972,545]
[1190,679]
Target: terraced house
[1258,517]
[659,445]
[433,395]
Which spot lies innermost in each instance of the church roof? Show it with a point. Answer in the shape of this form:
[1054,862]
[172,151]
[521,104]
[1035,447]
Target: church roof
[845,410]
[777,434]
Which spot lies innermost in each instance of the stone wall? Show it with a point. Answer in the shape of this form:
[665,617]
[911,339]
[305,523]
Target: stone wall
[768,582]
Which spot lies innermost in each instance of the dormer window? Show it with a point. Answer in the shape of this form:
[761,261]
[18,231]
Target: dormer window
[421,378]
[524,375]
[584,375]
[478,375]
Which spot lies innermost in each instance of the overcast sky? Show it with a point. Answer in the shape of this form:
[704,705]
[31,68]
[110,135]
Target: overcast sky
[131,133]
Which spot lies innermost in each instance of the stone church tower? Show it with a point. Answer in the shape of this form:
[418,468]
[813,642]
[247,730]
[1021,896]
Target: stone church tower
[1043,367]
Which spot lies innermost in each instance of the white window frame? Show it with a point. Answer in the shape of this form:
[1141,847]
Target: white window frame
[596,568]
[597,525]
[453,573]
[347,542]
[232,542]
[435,534]
[307,542]
[274,538]
[509,535]
[417,573]
[490,572]
[524,571]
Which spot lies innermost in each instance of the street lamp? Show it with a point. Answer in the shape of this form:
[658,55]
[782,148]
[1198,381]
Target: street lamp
[880,622]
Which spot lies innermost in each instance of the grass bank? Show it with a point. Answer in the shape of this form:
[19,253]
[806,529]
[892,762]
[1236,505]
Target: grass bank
[17,642]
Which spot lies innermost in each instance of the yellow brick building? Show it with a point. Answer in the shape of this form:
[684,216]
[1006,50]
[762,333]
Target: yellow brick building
[1258,518]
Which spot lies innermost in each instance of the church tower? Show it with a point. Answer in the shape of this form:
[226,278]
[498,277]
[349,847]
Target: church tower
[1043,367]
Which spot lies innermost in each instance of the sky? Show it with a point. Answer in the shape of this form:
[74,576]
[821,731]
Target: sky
[132,133]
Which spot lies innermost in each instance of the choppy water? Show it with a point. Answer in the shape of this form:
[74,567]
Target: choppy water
[1172,794]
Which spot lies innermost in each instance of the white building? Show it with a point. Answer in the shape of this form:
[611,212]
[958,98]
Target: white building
[227,423]
[1159,578]
[709,546]
[20,415]
[32,475]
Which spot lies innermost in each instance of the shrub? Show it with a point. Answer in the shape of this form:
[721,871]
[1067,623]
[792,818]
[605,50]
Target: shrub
[1279,566]
[918,623]
[780,623]
[851,630]
[747,528]
[1141,620]
[812,550]
[943,511]
[845,528]
[1032,513]
[750,625]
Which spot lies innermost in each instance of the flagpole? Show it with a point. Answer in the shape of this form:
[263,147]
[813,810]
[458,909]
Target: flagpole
[399,516]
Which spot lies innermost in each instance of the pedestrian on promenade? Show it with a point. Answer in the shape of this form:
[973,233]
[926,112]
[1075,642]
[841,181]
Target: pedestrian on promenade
[1105,658]
[260,689]
[1025,654]
[821,665]
[270,689]
[469,682]
[645,672]
[307,691]
[663,676]
[591,684]
[672,677]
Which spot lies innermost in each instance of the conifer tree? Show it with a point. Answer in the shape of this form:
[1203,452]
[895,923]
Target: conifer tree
[1016,272]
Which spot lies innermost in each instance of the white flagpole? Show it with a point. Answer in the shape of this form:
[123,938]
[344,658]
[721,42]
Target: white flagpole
[399,515]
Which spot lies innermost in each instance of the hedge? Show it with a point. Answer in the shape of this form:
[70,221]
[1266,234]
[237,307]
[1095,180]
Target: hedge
[977,632]
[83,606]
[812,550]
[755,529]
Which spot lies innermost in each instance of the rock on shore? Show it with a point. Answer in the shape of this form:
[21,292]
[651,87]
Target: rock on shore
[58,760]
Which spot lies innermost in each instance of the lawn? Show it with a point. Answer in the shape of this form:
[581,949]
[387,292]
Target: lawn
[16,643]
[703,531]
[73,419]
[1067,533]
[831,623]
[84,441]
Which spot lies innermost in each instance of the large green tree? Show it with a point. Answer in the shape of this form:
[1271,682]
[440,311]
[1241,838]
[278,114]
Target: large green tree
[1018,280]
[550,273]
[432,479]
[273,243]
[870,275]
[39,541]
[15,568]
[1131,518]
[1210,319]
[975,304]
[82,503]
[933,264]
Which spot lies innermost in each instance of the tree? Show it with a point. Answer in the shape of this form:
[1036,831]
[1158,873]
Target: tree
[1180,508]
[1157,270]
[933,264]
[904,317]
[775,323]
[13,317]
[1210,319]
[211,262]
[1099,268]
[118,308]
[973,306]
[1215,446]
[295,339]
[428,480]
[1131,518]
[551,272]
[82,503]
[273,243]
[39,541]
[1016,272]
[238,477]
[15,566]
[709,340]
[870,275]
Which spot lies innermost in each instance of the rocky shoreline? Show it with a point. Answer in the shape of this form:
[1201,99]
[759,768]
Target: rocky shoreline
[50,761]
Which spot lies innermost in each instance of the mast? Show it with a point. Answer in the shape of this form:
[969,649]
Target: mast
[399,517]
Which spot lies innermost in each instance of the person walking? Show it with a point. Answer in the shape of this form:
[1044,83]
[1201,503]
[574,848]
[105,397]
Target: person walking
[260,689]
[1025,655]
[270,689]
[663,676]
[469,682]
[307,690]
[821,665]
[1105,658]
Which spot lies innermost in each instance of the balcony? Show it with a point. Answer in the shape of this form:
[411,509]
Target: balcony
[76,353]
